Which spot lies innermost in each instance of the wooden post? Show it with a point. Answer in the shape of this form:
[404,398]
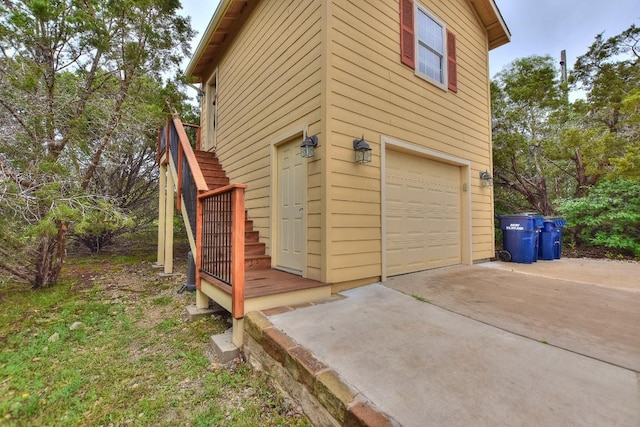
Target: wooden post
[237,332]
[162,207]
[169,212]
[237,253]
[179,171]
[202,300]
[158,152]
[167,148]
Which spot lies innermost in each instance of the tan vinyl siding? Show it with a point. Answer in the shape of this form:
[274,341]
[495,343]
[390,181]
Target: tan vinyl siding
[269,82]
[371,92]
[332,68]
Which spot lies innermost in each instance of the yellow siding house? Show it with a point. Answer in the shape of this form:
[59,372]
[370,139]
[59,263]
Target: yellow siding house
[408,78]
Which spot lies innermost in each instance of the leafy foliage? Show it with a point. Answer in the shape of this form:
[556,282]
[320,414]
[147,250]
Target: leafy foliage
[547,148]
[525,98]
[100,223]
[609,216]
[81,94]
[550,153]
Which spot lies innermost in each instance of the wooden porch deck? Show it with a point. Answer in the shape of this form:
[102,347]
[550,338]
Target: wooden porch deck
[264,282]
[268,282]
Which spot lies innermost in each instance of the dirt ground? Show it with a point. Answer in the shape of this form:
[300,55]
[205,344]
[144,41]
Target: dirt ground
[588,307]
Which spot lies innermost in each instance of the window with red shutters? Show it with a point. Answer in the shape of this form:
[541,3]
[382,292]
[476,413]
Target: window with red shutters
[435,53]
[452,72]
[407,34]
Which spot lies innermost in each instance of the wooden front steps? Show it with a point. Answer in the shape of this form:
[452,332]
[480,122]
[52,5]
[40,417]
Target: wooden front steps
[255,257]
[264,287]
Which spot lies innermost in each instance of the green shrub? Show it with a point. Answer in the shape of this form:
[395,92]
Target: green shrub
[609,216]
[100,223]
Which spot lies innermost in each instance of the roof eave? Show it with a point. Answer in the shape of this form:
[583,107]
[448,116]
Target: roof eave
[214,23]
[494,23]
[506,36]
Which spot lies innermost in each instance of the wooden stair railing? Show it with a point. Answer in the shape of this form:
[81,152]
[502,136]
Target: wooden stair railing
[223,235]
[221,241]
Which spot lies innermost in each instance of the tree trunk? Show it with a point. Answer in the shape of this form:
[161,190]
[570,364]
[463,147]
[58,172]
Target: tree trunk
[584,182]
[50,257]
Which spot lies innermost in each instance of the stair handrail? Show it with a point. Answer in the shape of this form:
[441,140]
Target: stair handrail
[187,168]
[184,149]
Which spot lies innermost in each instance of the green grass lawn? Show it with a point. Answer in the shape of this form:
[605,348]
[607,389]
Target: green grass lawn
[111,346]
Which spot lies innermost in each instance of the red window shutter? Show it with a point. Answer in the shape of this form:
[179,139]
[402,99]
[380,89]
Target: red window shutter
[407,37]
[452,71]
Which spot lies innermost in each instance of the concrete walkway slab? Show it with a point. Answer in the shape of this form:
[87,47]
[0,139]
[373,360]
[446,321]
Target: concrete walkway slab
[425,365]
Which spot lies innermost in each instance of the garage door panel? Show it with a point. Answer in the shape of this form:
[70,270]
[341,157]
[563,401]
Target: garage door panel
[422,214]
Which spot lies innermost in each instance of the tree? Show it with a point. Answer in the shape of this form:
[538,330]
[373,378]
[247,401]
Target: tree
[525,96]
[71,77]
[628,164]
[128,174]
[604,139]
[547,149]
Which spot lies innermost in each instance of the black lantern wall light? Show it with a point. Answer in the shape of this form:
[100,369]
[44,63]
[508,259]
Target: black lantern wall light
[486,180]
[362,150]
[308,146]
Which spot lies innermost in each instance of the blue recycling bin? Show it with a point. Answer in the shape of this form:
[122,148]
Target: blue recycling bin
[550,245]
[548,240]
[559,223]
[539,223]
[520,237]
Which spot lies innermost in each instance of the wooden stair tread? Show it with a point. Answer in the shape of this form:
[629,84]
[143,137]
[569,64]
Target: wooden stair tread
[214,173]
[251,236]
[257,256]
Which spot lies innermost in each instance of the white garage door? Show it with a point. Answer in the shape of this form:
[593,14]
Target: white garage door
[422,213]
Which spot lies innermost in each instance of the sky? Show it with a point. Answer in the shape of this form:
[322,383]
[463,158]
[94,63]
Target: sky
[538,27]
[541,27]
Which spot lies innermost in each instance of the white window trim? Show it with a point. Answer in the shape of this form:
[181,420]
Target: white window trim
[443,84]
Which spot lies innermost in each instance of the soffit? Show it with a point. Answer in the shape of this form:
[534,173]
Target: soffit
[493,22]
[226,20]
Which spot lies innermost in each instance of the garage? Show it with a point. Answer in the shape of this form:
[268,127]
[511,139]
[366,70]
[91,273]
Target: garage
[423,213]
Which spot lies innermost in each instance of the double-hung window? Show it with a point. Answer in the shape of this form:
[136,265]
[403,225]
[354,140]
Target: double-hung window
[427,46]
[430,40]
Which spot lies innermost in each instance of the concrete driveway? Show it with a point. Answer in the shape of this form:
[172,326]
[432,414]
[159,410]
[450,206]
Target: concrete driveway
[484,345]
[590,307]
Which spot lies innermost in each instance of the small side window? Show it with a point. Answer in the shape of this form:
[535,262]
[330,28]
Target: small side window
[212,112]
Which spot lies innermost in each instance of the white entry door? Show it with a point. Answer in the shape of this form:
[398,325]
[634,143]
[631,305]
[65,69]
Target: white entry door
[291,215]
